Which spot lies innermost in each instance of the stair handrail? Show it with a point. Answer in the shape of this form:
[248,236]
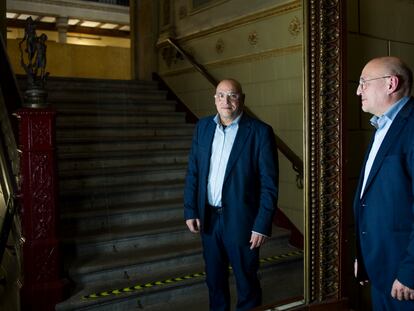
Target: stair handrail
[295,160]
[10,101]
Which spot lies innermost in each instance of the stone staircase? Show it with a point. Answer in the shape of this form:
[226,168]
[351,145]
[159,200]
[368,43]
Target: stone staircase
[122,152]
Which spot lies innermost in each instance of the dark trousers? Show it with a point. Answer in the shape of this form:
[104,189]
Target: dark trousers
[384,302]
[220,252]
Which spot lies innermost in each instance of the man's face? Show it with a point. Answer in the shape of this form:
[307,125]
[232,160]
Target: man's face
[373,88]
[229,101]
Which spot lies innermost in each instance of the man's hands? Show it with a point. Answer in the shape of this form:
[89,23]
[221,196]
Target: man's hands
[398,290]
[401,292]
[256,240]
[193,225]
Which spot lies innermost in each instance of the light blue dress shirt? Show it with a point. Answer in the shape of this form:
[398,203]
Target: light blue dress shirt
[222,144]
[382,124]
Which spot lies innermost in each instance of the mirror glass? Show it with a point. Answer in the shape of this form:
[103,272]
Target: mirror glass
[260,44]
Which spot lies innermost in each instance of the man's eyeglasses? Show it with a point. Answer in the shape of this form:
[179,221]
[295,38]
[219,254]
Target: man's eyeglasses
[362,81]
[231,96]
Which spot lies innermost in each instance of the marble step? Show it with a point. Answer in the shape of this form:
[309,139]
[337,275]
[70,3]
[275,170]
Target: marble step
[97,131]
[64,89]
[83,222]
[65,83]
[108,106]
[184,254]
[279,282]
[119,119]
[124,239]
[88,180]
[105,95]
[127,144]
[69,163]
[105,197]
[180,288]
[165,255]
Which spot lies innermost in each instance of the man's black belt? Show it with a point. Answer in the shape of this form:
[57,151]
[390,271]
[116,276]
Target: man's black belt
[215,209]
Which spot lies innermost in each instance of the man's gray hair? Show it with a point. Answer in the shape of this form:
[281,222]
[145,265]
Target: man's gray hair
[398,68]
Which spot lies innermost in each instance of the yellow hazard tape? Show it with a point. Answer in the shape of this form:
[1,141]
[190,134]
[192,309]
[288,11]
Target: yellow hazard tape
[138,287]
[281,256]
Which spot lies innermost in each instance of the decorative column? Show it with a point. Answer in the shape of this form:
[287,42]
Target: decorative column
[62,28]
[144,27]
[42,287]
[133,26]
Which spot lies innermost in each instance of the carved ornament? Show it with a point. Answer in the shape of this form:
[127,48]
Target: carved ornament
[253,38]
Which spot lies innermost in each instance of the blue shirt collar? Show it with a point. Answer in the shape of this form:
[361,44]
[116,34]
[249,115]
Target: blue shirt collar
[390,114]
[235,121]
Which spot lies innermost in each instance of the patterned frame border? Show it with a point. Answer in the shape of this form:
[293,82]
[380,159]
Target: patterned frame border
[325,101]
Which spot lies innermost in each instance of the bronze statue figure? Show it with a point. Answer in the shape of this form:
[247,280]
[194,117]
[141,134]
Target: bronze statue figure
[34,64]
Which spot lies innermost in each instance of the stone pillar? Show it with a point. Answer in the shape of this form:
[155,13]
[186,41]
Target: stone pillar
[62,28]
[42,287]
[144,35]
[133,26]
[167,21]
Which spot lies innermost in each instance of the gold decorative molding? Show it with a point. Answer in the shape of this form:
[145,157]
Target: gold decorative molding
[325,89]
[295,26]
[239,59]
[253,38]
[282,9]
[209,4]
[219,46]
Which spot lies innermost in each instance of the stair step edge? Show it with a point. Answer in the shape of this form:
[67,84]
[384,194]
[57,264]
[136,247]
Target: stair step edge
[99,238]
[104,263]
[119,211]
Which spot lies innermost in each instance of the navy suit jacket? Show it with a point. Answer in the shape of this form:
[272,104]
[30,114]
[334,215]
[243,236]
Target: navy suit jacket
[250,188]
[385,212]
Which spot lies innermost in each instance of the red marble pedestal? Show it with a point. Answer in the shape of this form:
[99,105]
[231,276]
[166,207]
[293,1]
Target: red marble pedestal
[43,286]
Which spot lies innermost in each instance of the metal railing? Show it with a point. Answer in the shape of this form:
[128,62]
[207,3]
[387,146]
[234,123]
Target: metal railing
[10,101]
[297,163]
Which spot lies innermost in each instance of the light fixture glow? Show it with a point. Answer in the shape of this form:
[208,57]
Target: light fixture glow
[108,26]
[25,16]
[89,24]
[73,21]
[48,19]
[11,15]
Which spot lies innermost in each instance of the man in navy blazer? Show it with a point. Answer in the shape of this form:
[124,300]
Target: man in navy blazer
[231,194]
[384,199]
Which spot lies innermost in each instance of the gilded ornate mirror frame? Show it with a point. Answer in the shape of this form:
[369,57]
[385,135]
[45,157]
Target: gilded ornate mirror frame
[325,85]
[324,114]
